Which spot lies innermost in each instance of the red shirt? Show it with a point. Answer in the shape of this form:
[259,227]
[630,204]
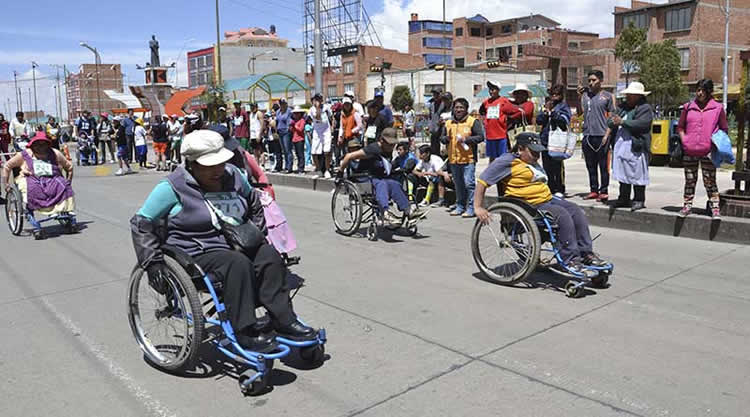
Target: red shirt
[241,128]
[298,130]
[528,113]
[495,114]
[4,131]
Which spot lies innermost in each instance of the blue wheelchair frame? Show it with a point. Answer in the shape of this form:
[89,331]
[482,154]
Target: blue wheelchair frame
[65,219]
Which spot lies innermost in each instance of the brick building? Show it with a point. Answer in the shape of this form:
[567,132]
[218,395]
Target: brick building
[200,65]
[81,92]
[355,66]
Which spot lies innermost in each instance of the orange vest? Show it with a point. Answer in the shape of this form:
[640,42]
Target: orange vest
[457,152]
[348,123]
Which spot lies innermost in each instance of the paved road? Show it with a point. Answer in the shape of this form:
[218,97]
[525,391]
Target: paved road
[412,331]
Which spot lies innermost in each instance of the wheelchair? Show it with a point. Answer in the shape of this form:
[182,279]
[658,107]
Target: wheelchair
[519,238]
[16,211]
[170,328]
[353,203]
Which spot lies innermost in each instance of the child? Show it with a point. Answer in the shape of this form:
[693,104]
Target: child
[429,170]
[140,143]
[298,126]
[401,161]
[122,148]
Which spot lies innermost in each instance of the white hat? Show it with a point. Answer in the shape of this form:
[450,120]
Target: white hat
[492,83]
[298,109]
[521,87]
[635,88]
[205,147]
[349,93]
[346,100]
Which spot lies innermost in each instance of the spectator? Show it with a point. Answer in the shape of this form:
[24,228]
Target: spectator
[351,126]
[321,136]
[283,128]
[129,124]
[496,111]
[105,133]
[174,129]
[240,125]
[429,172]
[4,137]
[462,134]
[222,118]
[52,129]
[384,110]
[122,147]
[336,150]
[631,129]
[255,123]
[699,120]
[86,125]
[409,124]
[524,108]
[374,124]
[556,115]
[297,125]
[357,107]
[19,127]
[159,135]
[402,161]
[597,106]
[436,109]
[274,157]
[141,150]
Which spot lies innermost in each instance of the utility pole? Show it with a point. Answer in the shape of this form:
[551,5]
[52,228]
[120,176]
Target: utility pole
[20,100]
[445,63]
[219,81]
[725,81]
[30,101]
[33,78]
[97,63]
[15,84]
[318,51]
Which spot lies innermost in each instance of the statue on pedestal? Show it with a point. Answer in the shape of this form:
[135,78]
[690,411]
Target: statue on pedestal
[154,45]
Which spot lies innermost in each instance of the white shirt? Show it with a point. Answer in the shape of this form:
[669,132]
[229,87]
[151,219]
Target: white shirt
[255,125]
[18,129]
[409,119]
[174,128]
[140,136]
[434,165]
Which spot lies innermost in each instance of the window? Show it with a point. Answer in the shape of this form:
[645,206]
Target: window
[572,45]
[572,76]
[349,67]
[490,53]
[520,50]
[431,59]
[477,88]
[459,62]
[685,58]
[504,53]
[193,80]
[437,43]
[507,29]
[193,64]
[349,87]
[639,20]
[459,31]
[418,26]
[332,91]
[201,61]
[479,55]
[476,32]
[677,19]
[488,32]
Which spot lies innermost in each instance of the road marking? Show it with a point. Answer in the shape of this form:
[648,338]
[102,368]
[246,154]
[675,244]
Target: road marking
[103,171]
[154,407]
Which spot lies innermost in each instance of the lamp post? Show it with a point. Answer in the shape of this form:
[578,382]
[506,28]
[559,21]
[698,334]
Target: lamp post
[98,61]
[251,61]
[33,80]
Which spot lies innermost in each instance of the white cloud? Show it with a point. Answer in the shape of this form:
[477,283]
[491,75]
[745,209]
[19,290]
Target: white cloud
[586,15]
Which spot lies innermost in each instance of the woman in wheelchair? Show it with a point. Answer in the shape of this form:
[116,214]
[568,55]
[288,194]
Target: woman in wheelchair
[197,201]
[375,160]
[523,178]
[42,181]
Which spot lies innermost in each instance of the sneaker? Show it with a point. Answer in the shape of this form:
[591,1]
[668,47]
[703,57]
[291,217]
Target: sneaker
[327,174]
[451,207]
[423,203]
[602,197]
[468,215]
[685,211]
[418,213]
[391,218]
[456,213]
[439,203]
[119,172]
[594,260]
[591,196]
[715,213]
[111,161]
[129,171]
[559,195]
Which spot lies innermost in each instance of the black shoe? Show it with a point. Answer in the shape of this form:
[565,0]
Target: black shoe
[637,205]
[257,342]
[296,331]
[594,260]
[622,203]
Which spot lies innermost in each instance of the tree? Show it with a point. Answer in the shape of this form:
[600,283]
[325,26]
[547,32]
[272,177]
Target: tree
[401,97]
[629,49]
[660,73]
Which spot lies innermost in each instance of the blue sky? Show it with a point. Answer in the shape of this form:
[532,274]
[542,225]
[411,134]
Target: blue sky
[49,32]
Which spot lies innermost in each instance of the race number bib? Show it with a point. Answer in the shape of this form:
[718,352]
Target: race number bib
[371,132]
[238,120]
[493,112]
[228,203]
[42,168]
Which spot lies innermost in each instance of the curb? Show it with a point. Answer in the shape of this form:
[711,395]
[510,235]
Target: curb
[728,230]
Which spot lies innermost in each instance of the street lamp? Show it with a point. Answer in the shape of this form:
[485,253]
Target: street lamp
[98,61]
[33,78]
[253,58]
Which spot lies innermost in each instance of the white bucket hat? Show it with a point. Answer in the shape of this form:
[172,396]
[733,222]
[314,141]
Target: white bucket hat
[298,109]
[636,88]
[492,83]
[205,147]
[521,87]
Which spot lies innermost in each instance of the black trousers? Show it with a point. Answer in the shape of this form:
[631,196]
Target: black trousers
[639,193]
[435,143]
[597,156]
[299,149]
[131,147]
[554,169]
[247,283]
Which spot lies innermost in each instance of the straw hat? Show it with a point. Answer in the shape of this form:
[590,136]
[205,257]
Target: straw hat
[636,88]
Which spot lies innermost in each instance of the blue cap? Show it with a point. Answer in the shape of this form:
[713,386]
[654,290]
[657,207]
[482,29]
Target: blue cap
[379,93]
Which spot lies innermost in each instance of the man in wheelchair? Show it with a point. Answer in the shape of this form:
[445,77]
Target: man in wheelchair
[523,177]
[375,160]
[201,203]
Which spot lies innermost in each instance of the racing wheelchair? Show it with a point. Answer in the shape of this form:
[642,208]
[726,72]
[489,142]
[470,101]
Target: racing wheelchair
[519,238]
[170,327]
[16,211]
[353,203]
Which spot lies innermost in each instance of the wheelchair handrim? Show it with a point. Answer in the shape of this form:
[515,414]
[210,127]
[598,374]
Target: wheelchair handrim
[140,291]
[14,212]
[347,209]
[505,248]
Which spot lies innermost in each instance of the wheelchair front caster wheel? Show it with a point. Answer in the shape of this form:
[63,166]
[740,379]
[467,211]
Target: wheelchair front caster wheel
[313,354]
[40,235]
[573,289]
[257,386]
[600,281]
[412,230]
[372,232]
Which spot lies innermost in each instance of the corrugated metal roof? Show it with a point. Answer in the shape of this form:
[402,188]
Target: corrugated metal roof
[129,100]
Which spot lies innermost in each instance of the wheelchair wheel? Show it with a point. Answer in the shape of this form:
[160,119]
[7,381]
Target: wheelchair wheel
[14,210]
[168,327]
[346,208]
[507,249]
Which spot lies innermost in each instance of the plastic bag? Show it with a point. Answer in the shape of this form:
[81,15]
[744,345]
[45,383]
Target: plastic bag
[561,144]
[721,151]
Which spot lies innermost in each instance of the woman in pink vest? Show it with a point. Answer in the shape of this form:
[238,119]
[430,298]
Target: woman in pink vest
[700,119]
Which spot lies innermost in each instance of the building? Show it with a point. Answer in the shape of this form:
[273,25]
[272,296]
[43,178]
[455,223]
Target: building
[81,91]
[697,26]
[257,37]
[353,73]
[200,65]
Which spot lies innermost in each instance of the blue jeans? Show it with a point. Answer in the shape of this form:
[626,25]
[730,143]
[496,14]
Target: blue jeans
[387,189]
[286,148]
[463,178]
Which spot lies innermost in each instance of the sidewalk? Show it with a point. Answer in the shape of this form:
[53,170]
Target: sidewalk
[663,201]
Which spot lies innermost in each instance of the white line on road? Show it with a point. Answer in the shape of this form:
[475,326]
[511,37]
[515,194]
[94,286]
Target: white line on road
[154,407]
